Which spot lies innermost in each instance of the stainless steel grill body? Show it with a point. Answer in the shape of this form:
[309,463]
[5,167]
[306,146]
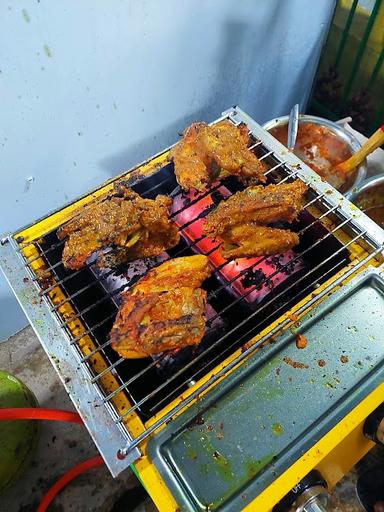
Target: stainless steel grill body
[106,423]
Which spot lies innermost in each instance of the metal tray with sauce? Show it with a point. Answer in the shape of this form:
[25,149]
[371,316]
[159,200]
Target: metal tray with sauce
[209,457]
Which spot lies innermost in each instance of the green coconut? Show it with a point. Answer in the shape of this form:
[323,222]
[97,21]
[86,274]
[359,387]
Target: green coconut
[18,438]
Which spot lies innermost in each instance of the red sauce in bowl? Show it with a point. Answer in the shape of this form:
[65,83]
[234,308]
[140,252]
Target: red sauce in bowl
[376,213]
[371,201]
[319,147]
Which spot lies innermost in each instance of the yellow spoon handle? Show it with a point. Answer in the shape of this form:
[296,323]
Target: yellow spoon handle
[374,142]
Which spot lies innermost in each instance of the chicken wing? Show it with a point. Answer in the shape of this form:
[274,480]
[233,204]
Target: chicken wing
[164,310]
[207,153]
[241,221]
[135,227]
[260,205]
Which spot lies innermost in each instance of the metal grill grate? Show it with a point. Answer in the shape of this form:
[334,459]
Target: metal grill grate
[327,232]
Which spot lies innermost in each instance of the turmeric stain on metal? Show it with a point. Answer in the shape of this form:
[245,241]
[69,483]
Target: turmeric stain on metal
[253,467]
[25,16]
[277,429]
[47,51]
[223,466]
[191,453]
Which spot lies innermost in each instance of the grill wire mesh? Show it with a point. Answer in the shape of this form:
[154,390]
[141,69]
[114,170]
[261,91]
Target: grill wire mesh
[151,384]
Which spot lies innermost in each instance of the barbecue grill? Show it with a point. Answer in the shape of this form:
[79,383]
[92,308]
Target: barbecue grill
[238,421]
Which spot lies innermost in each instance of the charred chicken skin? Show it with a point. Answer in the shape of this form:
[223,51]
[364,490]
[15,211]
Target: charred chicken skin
[133,226]
[241,221]
[207,153]
[164,310]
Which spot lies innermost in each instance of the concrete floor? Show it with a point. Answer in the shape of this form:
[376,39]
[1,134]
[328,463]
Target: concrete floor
[63,445]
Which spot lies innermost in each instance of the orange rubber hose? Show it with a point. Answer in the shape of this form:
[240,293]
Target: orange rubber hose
[39,413]
[30,413]
[77,470]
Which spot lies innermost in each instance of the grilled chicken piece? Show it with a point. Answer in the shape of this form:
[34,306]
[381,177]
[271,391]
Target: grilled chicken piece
[207,153]
[134,226]
[260,205]
[164,310]
[240,221]
[246,240]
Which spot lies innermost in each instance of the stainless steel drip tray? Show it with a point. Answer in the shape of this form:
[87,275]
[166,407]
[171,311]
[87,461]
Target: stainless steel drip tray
[232,444]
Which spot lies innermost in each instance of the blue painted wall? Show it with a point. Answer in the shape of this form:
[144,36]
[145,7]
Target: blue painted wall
[88,88]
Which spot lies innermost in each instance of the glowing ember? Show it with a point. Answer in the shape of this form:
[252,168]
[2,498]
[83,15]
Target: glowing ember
[252,277]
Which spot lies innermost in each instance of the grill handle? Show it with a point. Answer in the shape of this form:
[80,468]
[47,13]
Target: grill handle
[314,507]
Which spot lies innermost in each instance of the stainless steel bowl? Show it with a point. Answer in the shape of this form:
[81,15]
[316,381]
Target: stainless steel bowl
[350,139]
[370,194]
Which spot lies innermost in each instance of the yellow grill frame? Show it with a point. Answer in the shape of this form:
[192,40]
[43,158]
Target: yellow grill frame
[318,456]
